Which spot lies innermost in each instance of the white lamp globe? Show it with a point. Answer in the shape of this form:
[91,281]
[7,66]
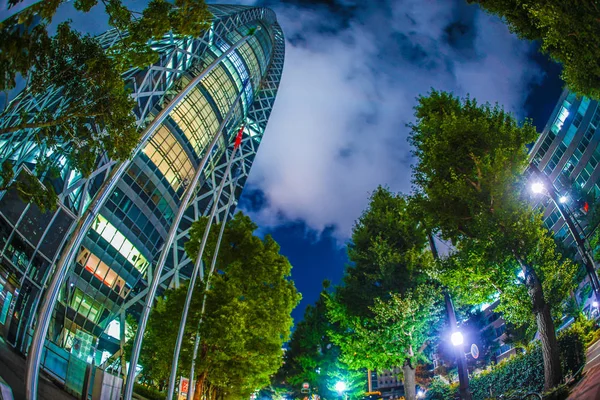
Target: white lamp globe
[340,387]
[537,187]
[457,338]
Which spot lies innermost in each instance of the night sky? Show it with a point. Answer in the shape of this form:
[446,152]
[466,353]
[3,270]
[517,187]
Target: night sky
[338,129]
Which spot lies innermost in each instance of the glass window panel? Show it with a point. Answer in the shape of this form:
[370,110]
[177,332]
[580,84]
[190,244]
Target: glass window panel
[120,242]
[169,157]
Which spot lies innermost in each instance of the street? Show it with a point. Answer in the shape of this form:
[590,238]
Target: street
[589,387]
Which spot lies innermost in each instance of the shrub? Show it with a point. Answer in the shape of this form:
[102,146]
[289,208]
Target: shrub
[440,390]
[522,371]
[592,337]
[571,343]
[148,392]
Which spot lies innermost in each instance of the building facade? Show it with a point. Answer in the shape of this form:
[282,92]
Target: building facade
[113,266]
[568,153]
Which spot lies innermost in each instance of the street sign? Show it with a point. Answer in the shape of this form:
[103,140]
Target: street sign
[474,351]
[184,385]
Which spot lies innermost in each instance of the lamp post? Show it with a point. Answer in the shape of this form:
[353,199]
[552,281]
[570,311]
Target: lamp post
[457,340]
[544,186]
[456,337]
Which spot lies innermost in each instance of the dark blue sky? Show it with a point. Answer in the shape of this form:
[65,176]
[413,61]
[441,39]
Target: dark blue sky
[314,257]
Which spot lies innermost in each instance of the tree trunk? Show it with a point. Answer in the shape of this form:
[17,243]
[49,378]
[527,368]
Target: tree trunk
[199,386]
[545,325]
[409,381]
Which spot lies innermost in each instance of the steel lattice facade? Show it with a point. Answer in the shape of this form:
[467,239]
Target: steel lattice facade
[115,262]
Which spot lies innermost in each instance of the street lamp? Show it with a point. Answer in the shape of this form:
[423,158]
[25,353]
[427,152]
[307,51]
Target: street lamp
[457,338]
[538,187]
[340,387]
[563,199]
[588,261]
[463,374]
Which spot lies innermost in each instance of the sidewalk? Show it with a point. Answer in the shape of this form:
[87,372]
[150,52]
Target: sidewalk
[589,387]
[12,370]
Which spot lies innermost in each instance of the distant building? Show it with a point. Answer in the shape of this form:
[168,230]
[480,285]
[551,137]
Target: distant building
[388,383]
[497,325]
[568,152]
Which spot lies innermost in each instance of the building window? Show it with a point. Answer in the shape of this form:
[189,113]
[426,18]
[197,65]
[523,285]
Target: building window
[571,132]
[560,119]
[221,88]
[100,270]
[546,144]
[589,168]
[120,243]
[562,232]
[85,305]
[552,219]
[169,157]
[197,120]
[556,156]
[576,122]
[596,118]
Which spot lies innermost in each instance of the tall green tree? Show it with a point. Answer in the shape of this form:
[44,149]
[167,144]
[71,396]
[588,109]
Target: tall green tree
[98,118]
[386,306]
[312,357]
[470,160]
[247,318]
[569,32]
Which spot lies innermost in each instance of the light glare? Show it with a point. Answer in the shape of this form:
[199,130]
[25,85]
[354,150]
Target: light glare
[563,199]
[457,338]
[537,187]
[340,386]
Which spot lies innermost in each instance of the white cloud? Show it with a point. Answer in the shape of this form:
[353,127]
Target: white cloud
[338,126]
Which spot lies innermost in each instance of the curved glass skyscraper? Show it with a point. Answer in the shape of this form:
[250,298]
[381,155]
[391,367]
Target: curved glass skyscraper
[115,262]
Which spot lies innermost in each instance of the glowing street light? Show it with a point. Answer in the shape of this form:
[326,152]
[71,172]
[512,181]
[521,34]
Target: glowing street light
[595,304]
[563,199]
[537,187]
[420,394]
[457,338]
[340,387]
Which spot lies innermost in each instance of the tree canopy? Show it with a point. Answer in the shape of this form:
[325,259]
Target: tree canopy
[246,322]
[312,357]
[386,305]
[98,118]
[470,164]
[569,32]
